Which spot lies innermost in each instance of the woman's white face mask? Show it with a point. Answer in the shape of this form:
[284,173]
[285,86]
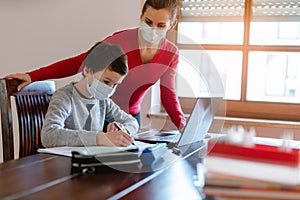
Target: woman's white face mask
[152,35]
[100,90]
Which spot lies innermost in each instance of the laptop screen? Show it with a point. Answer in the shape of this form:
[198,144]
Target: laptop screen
[200,120]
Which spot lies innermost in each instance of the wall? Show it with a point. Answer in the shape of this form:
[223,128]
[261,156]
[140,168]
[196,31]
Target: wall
[36,33]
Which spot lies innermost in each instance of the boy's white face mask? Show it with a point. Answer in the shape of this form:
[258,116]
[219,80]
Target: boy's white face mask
[100,90]
[152,35]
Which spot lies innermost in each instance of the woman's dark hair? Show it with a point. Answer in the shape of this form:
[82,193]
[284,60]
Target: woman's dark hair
[171,5]
[103,55]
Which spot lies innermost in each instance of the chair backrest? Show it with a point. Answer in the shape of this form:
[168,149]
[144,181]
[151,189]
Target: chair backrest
[31,106]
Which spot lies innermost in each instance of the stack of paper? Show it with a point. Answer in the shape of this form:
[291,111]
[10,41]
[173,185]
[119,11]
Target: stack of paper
[92,150]
[260,171]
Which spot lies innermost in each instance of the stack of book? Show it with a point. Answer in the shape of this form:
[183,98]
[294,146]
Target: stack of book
[260,171]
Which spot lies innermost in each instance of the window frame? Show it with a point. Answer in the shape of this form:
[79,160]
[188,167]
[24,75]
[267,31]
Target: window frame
[244,108]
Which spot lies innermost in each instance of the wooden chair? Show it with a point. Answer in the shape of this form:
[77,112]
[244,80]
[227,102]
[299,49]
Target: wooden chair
[31,106]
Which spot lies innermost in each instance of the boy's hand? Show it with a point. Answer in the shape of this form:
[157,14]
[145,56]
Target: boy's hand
[115,126]
[115,138]
[111,127]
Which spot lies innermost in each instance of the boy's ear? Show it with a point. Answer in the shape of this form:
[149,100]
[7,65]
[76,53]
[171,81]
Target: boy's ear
[86,70]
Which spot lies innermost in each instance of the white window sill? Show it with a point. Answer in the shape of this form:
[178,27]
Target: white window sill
[264,128]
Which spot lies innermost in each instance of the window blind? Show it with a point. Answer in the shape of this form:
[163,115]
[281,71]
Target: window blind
[276,10]
[233,10]
[212,10]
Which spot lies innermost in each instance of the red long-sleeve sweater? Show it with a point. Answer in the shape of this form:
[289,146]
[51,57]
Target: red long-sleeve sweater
[140,78]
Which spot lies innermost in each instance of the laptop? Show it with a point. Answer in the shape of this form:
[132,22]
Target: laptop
[195,130]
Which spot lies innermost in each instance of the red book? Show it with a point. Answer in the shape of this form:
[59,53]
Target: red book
[257,152]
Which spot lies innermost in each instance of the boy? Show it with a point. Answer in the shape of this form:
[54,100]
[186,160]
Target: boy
[77,111]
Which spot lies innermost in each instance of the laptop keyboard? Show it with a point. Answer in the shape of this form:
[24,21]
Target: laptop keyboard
[169,137]
[154,135]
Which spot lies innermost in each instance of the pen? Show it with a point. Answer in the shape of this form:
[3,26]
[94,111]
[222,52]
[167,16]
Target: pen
[121,129]
[118,126]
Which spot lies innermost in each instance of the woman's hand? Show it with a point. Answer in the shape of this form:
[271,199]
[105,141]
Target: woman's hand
[114,138]
[25,78]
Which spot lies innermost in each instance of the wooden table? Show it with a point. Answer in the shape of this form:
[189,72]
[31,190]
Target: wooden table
[45,176]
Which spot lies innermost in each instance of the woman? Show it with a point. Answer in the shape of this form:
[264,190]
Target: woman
[151,58]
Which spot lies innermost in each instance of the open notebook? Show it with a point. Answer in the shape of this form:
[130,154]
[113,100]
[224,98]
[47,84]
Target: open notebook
[93,150]
[195,130]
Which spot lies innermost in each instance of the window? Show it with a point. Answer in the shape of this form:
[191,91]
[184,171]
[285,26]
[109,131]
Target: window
[254,45]
[274,77]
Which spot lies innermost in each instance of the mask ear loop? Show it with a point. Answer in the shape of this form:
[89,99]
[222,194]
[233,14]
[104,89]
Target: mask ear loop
[87,82]
[92,73]
[88,85]
[87,79]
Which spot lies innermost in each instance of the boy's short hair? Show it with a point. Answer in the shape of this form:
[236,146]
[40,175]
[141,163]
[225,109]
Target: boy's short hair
[103,55]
